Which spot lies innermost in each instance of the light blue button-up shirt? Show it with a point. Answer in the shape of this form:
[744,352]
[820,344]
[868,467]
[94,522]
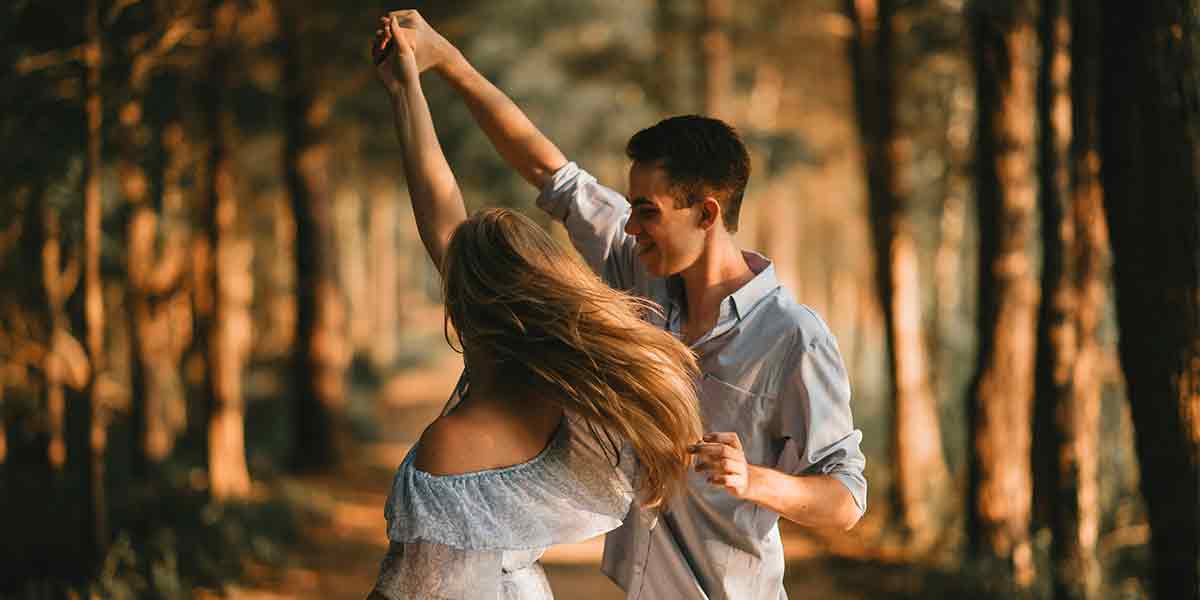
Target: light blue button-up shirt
[772,373]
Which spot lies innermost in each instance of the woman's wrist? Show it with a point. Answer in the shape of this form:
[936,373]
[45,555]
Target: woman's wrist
[403,88]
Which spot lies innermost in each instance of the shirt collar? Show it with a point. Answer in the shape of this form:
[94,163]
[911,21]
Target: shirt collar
[764,282]
[740,302]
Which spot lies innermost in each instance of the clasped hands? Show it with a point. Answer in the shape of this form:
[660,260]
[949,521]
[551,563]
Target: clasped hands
[405,42]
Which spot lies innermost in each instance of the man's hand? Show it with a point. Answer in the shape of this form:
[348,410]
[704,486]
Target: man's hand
[431,48]
[721,458]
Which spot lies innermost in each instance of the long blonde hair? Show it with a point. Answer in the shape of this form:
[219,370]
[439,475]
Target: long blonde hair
[549,324]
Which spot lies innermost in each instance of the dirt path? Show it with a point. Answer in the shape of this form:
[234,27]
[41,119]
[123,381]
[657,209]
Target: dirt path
[342,516]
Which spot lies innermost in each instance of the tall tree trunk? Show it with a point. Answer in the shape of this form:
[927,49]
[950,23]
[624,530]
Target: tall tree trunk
[350,235]
[1000,492]
[716,56]
[921,475]
[1073,280]
[384,266]
[228,330]
[321,347]
[91,435]
[153,278]
[58,284]
[674,59]
[1150,125]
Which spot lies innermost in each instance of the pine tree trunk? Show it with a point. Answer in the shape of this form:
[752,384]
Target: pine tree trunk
[1150,125]
[921,475]
[1000,492]
[321,347]
[1073,281]
[716,56]
[384,274]
[350,235]
[58,284]
[91,436]
[674,57]
[228,331]
[153,278]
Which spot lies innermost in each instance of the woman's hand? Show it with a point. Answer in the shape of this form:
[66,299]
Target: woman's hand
[395,55]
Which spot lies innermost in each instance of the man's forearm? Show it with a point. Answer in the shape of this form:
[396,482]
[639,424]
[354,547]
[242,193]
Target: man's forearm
[811,500]
[515,137]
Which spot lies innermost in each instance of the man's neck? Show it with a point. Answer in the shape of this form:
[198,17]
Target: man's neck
[720,271]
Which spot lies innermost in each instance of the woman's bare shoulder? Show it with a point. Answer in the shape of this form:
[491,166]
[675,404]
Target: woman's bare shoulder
[451,445]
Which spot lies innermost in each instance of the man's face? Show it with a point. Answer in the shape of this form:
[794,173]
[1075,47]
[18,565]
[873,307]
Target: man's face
[669,239]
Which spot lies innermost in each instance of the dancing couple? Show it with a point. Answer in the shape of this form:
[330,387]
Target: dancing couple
[670,391]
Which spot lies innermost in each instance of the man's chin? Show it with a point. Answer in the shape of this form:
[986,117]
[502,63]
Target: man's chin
[648,262]
[654,267]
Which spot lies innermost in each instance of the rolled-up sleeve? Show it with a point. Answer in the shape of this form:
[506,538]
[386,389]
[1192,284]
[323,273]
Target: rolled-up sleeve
[817,425]
[595,217]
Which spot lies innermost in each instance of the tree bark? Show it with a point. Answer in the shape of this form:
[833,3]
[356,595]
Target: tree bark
[1000,492]
[91,435]
[321,348]
[675,57]
[382,234]
[63,351]
[1150,126]
[921,476]
[350,235]
[154,277]
[228,330]
[716,56]
[1073,280]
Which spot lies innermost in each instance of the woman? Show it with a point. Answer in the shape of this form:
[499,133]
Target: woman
[568,389]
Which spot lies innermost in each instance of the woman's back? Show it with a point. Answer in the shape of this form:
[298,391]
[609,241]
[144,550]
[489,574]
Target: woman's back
[491,431]
[478,533]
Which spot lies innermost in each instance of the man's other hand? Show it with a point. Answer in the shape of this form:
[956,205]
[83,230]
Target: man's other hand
[721,459]
[431,48]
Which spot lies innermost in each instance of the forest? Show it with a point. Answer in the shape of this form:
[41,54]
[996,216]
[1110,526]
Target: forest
[220,333]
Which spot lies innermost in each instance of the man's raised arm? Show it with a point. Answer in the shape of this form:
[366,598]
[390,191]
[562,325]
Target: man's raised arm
[517,139]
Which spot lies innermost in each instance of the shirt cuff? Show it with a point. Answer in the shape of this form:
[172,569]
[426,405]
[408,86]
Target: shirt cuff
[556,196]
[857,486]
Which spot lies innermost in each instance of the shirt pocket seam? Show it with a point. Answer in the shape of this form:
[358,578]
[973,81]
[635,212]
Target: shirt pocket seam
[739,390]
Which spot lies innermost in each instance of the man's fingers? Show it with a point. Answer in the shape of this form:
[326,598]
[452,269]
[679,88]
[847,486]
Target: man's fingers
[721,437]
[405,18]
[730,482]
[712,449]
[399,35]
[717,469]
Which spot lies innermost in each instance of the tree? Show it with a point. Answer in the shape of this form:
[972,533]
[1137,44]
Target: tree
[1000,491]
[89,433]
[226,328]
[1150,148]
[921,476]
[155,271]
[321,345]
[1073,282]
[716,56]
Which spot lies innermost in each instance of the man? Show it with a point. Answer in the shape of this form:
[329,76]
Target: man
[774,393]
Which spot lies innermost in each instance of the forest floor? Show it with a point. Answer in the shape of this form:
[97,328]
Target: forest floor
[343,537]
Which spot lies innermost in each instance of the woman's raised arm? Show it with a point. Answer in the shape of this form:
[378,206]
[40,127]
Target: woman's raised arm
[436,200]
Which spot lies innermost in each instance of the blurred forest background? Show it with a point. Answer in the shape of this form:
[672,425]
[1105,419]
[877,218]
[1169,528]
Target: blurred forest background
[219,332]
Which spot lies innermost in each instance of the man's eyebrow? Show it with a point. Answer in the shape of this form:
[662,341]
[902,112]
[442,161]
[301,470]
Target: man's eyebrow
[640,201]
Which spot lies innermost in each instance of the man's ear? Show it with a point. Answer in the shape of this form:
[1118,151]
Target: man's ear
[710,212]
